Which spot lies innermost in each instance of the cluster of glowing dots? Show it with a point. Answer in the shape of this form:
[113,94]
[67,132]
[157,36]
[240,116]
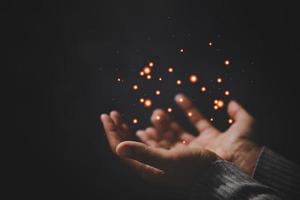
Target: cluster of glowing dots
[218,104]
[146,71]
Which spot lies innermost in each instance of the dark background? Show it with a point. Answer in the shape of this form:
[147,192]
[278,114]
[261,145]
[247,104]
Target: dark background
[60,63]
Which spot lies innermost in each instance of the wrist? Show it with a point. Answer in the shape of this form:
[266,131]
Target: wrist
[245,155]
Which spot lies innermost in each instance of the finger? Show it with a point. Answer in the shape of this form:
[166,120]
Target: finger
[116,117]
[155,157]
[152,133]
[242,119]
[163,122]
[146,138]
[196,118]
[113,134]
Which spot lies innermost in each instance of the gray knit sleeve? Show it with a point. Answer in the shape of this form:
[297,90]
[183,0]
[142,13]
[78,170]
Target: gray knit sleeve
[279,173]
[224,181]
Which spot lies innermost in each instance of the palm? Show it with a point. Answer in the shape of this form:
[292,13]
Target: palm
[168,134]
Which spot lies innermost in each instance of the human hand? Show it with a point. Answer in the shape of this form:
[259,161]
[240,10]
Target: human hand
[234,145]
[173,167]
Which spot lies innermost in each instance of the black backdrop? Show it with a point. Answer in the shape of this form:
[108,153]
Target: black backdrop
[62,59]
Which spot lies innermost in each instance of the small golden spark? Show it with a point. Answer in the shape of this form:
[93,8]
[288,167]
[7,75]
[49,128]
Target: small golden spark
[157,92]
[183,141]
[142,73]
[203,89]
[219,80]
[148,103]
[135,87]
[149,76]
[142,100]
[216,101]
[190,114]
[170,110]
[193,78]
[118,79]
[170,69]
[210,43]
[160,78]
[157,117]
[151,64]
[178,82]
[227,93]
[227,62]
[230,121]
[211,119]
[180,99]
[181,50]
[220,103]
[147,70]
[216,107]
[135,121]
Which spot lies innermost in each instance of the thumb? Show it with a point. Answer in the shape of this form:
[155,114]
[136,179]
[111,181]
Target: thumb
[242,119]
[155,157]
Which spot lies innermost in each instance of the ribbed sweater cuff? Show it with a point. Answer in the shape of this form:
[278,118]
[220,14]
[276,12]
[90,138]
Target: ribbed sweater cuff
[277,172]
[223,180]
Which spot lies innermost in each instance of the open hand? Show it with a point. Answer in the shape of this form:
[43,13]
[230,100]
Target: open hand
[173,167]
[234,145]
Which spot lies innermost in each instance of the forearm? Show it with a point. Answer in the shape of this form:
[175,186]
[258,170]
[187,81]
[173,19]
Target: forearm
[279,173]
[225,181]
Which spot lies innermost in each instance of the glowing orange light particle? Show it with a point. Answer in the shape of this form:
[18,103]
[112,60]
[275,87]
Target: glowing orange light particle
[135,87]
[157,92]
[181,99]
[183,141]
[148,103]
[157,117]
[227,62]
[151,64]
[193,78]
[170,110]
[230,121]
[149,77]
[178,82]
[219,80]
[220,103]
[216,101]
[142,73]
[160,78]
[135,121]
[203,89]
[190,114]
[210,43]
[118,79]
[216,107]
[170,69]
[181,50]
[227,93]
[147,70]
[142,100]
[211,119]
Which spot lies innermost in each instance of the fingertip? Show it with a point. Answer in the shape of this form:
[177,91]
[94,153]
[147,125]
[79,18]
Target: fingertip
[140,133]
[178,97]
[158,114]
[103,116]
[126,148]
[114,113]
